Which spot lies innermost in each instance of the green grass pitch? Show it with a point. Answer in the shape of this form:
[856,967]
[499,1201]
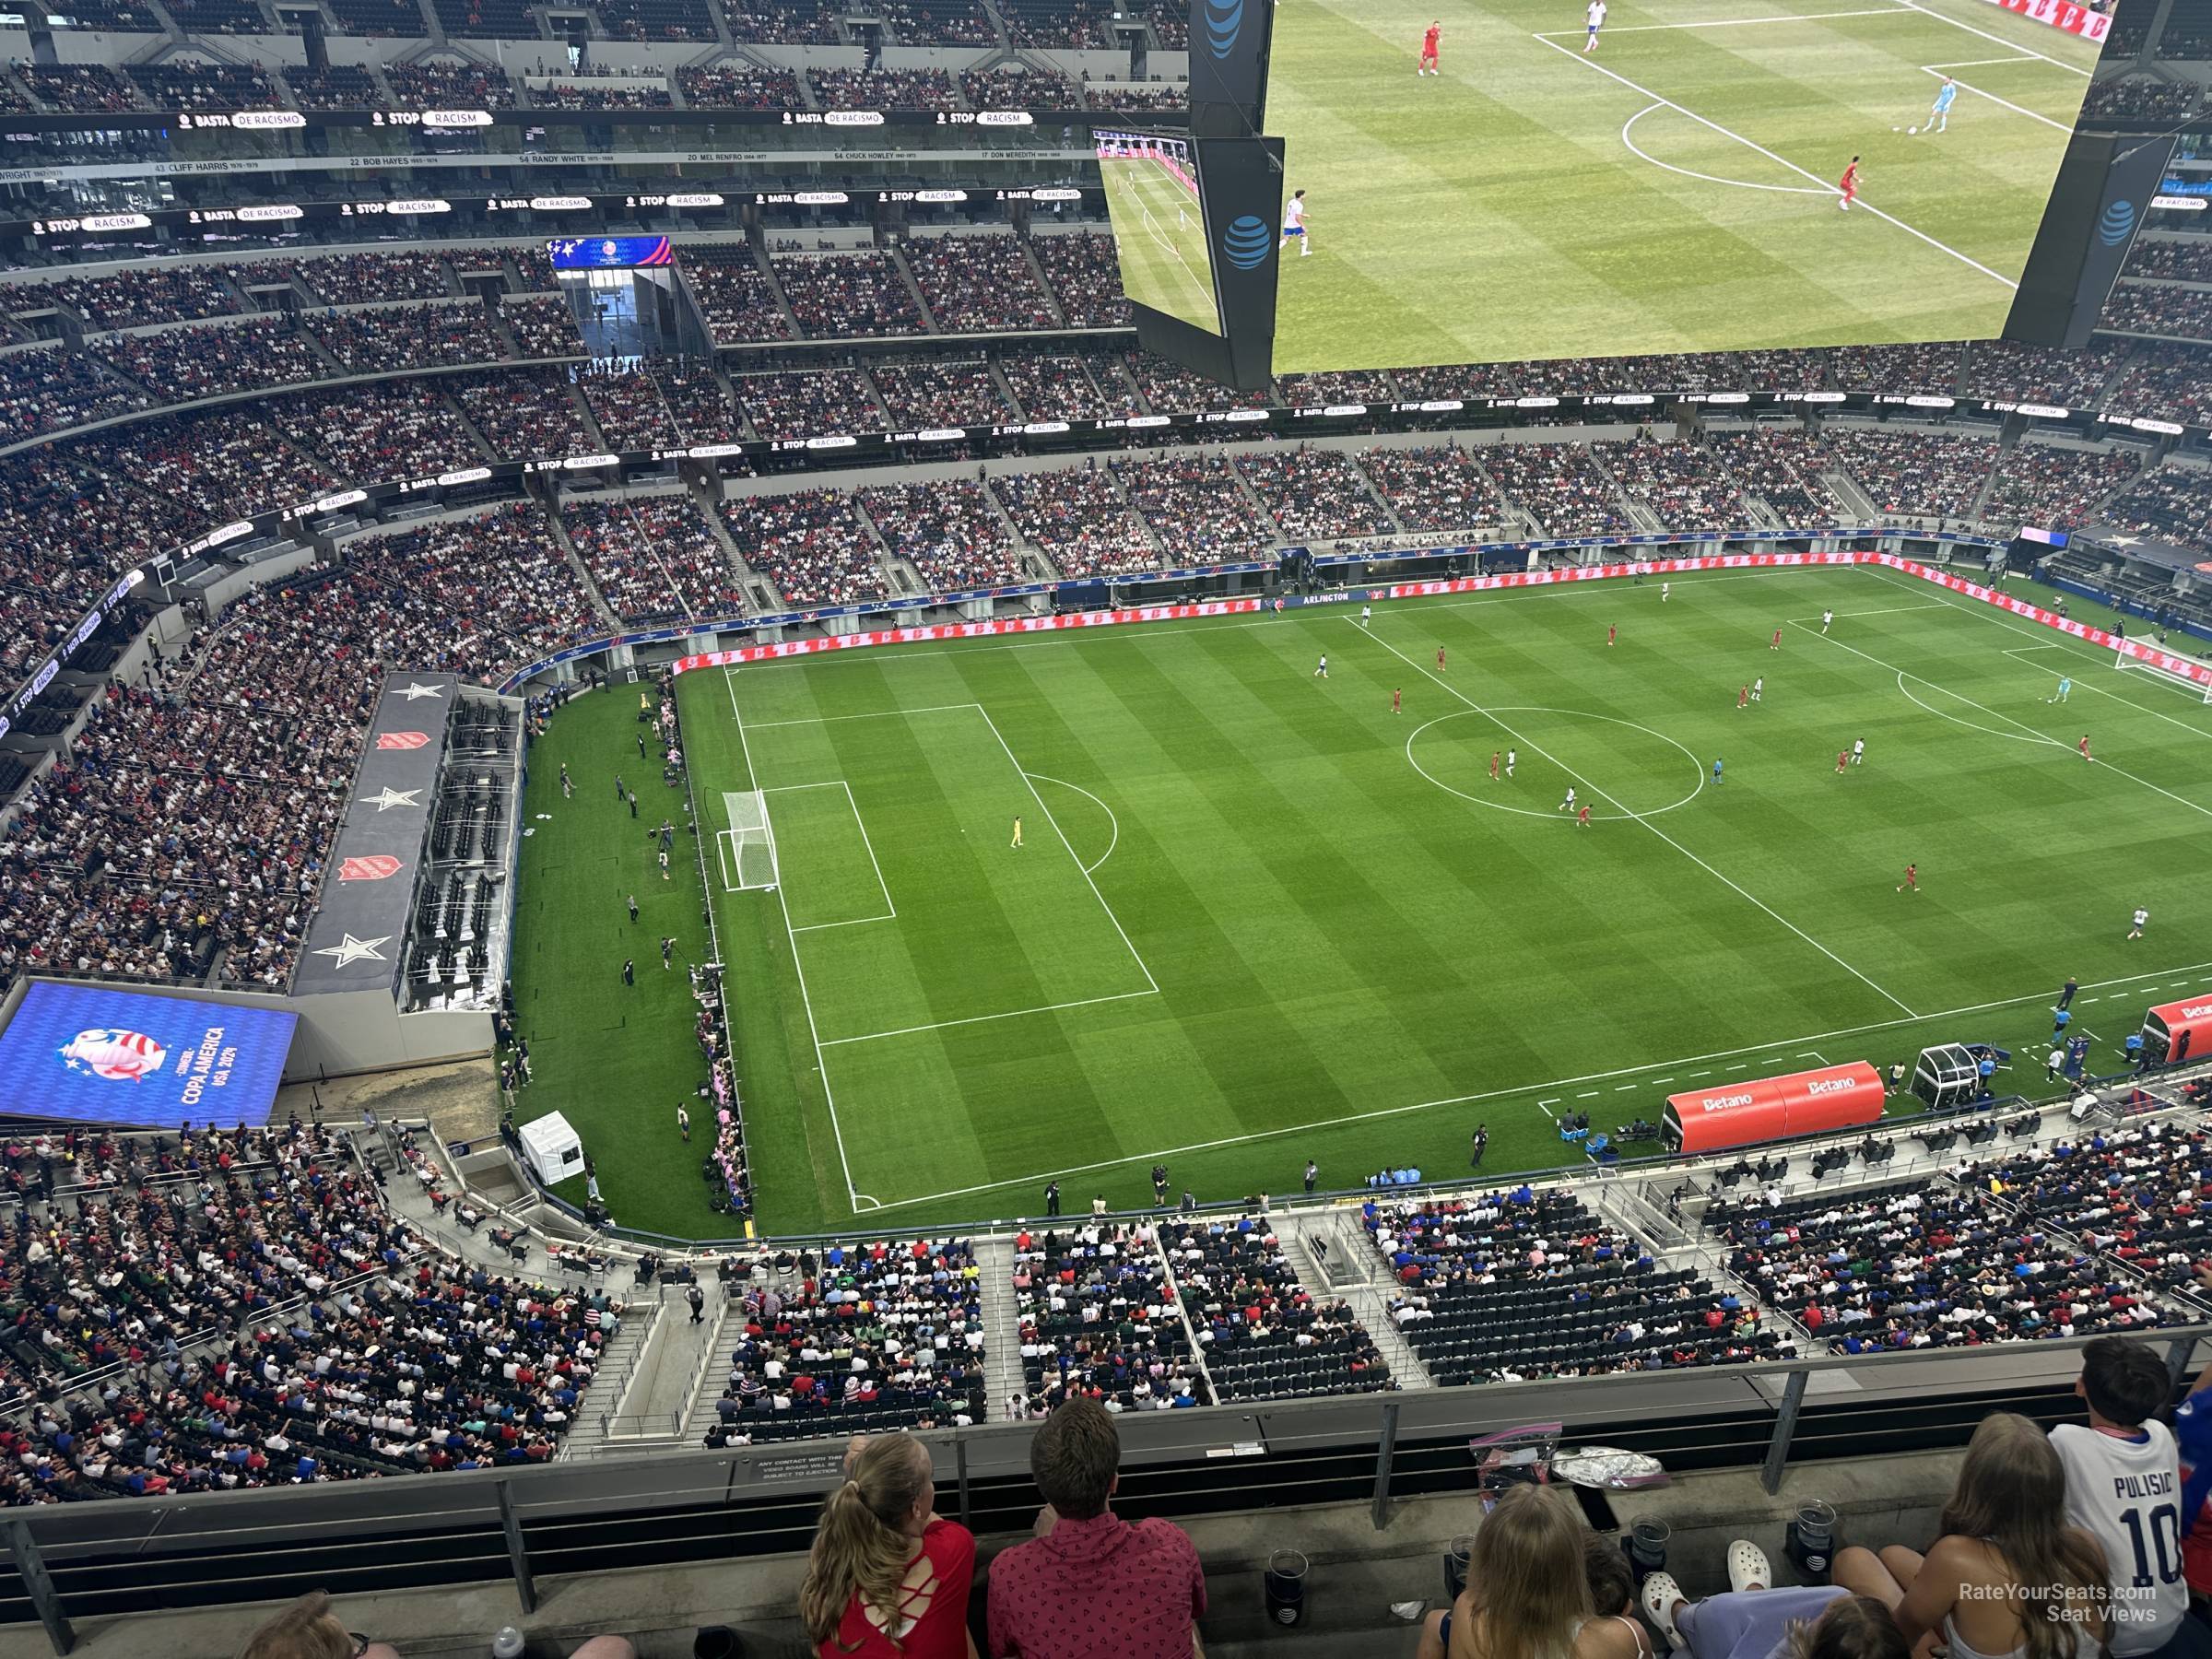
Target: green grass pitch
[1671,192]
[1160,237]
[1257,917]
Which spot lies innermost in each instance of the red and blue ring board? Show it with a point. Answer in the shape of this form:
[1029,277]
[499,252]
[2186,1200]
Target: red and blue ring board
[94,1054]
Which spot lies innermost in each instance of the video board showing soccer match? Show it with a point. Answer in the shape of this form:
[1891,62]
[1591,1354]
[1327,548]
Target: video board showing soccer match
[85,1054]
[1153,207]
[1536,179]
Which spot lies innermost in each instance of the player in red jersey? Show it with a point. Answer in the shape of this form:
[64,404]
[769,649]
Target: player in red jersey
[1439,659]
[2084,746]
[1842,760]
[1612,634]
[1849,184]
[1581,818]
[1912,879]
[1398,701]
[1775,643]
[1493,765]
[1743,697]
[1429,49]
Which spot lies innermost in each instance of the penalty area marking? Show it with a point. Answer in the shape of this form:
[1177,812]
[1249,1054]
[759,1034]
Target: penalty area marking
[1643,155]
[1113,840]
[1623,816]
[1825,188]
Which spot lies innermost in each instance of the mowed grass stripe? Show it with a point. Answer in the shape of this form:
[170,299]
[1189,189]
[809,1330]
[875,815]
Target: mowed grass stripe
[1495,211]
[1222,762]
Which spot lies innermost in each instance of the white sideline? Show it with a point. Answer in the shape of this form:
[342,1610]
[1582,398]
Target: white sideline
[1645,821]
[1879,11]
[1780,161]
[1778,1048]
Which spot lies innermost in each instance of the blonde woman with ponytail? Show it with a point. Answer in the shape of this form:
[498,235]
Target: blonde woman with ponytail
[1528,1595]
[886,1575]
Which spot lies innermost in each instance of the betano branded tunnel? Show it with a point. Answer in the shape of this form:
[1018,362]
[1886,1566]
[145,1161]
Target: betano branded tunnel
[2178,1030]
[1767,1109]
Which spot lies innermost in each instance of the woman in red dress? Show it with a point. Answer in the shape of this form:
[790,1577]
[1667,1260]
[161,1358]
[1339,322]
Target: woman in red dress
[887,1576]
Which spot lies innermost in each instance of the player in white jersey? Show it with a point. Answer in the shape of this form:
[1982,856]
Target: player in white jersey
[1568,804]
[1294,223]
[2142,921]
[1367,614]
[1666,589]
[1597,20]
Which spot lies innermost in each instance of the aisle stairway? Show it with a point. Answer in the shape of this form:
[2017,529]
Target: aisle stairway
[1001,1328]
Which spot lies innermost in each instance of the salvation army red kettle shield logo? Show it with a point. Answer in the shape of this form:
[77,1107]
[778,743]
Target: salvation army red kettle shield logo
[401,740]
[374,867]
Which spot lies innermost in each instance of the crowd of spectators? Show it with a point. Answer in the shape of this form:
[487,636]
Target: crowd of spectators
[2168,382]
[842,296]
[1925,368]
[1260,1330]
[1170,389]
[657,19]
[1314,494]
[2171,259]
[1433,486]
[978,284]
[735,86]
[1191,503]
[1078,517]
[543,325]
[2172,504]
[940,394]
[333,87]
[1018,86]
[413,336]
[2156,308]
[1921,475]
[2005,368]
[1097,1321]
[1052,22]
[90,88]
[1906,1265]
[876,1336]
[736,295]
[364,278]
[1059,388]
[2136,1195]
[1134,96]
[64,534]
[1682,485]
[883,89]
[1781,467]
[522,412]
[205,469]
[786,22]
[378,430]
[809,402]
[697,400]
[1339,386]
[2142,99]
[45,388]
[653,557]
[1506,1286]
[178,365]
[1557,486]
[176,84]
[630,409]
[434,83]
[940,22]
[809,545]
[947,530]
[2056,485]
[1086,277]
[135,298]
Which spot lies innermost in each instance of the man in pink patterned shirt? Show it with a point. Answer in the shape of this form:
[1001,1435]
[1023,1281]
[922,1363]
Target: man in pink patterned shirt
[1090,1585]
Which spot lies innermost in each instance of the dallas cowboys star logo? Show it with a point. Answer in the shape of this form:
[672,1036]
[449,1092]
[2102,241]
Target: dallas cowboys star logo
[353,950]
[411,691]
[2126,541]
[389,797]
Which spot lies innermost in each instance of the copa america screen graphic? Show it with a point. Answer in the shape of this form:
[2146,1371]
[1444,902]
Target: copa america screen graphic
[88,1054]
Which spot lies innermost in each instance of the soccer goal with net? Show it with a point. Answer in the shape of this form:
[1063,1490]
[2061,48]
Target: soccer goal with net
[748,848]
[2186,672]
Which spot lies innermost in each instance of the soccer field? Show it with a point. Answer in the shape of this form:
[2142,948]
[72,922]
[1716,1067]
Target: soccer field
[1673,190]
[1160,237]
[1256,917]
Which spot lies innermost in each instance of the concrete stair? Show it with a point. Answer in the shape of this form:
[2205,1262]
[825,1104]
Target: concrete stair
[1001,1326]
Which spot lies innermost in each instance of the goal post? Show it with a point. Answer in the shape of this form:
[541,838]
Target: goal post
[2188,673]
[752,843]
